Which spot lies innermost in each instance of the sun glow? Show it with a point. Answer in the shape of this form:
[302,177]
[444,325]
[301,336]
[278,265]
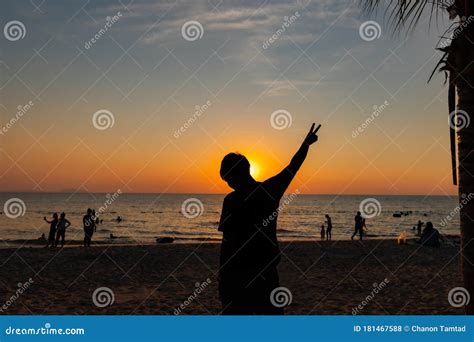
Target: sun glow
[254,169]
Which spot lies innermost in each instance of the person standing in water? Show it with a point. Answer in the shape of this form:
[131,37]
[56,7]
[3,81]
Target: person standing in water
[63,224]
[419,225]
[322,232]
[52,230]
[328,227]
[249,251]
[88,222]
[358,225]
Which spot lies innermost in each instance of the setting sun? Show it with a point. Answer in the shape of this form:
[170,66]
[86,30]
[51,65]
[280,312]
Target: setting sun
[254,168]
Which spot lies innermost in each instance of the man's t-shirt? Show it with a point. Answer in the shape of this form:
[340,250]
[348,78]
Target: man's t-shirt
[88,222]
[62,225]
[249,223]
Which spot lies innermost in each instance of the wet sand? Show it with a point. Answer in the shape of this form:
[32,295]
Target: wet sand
[329,277]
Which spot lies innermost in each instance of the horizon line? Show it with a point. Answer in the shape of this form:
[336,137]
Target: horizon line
[207,193]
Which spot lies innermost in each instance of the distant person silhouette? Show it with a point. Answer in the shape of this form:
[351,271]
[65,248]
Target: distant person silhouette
[430,236]
[323,233]
[328,227]
[358,226]
[249,252]
[63,224]
[88,222]
[419,225]
[52,230]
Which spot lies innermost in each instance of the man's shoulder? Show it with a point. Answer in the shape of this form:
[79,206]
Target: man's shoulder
[230,196]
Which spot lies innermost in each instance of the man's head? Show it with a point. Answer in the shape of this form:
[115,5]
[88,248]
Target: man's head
[89,211]
[235,170]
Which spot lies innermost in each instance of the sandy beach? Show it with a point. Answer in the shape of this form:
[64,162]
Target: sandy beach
[329,277]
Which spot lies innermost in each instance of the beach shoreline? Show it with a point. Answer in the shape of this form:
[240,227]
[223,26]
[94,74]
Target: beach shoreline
[324,277]
[450,239]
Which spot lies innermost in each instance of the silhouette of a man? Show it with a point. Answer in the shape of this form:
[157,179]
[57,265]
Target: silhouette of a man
[358,225]
[89,227]
[249,251]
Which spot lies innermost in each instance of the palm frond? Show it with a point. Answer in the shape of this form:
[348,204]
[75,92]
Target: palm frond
[405,14]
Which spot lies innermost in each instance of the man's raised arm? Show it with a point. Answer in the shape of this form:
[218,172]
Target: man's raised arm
[279,183]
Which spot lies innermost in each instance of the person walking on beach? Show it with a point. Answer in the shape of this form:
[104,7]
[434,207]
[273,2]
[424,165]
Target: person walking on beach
[249,251]
[63,224]
[358,226]
[52,230]
[328,227]
[88,222]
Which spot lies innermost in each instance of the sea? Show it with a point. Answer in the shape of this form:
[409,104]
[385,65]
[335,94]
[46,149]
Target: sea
[194,217]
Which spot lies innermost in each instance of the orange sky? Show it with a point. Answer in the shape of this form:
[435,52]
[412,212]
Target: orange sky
[154,88]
